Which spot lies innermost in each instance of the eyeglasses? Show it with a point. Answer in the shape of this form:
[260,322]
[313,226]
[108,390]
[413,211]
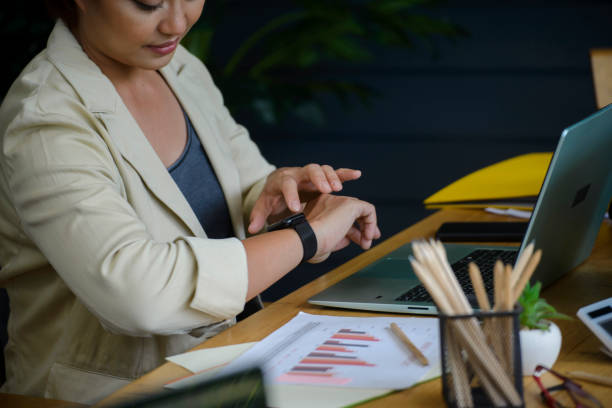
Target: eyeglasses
[580,397]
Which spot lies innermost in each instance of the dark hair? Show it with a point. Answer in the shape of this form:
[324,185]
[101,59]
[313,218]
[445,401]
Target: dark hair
[64,9]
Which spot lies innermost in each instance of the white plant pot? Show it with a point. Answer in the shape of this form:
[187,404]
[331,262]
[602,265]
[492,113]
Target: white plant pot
[539,347]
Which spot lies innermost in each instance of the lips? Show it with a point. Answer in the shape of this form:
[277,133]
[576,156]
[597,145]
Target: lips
[164,48]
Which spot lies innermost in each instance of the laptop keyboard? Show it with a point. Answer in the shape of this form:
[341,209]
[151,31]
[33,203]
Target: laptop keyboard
[484,258]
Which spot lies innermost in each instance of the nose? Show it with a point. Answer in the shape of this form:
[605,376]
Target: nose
[174,21]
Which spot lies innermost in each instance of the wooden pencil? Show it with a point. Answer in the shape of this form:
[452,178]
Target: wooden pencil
[521,262]
[431,266]
[479,289]
[459,370]
[594,378]
[498,271]
[526,274]
[414,349]
[507,323]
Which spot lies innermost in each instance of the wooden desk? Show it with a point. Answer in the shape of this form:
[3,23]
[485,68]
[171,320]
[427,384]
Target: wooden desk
[590,282]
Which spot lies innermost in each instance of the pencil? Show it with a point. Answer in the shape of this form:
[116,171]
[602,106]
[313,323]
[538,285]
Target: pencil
[479,289]
[526,274]
[400,334]
[594,378]
[430,264]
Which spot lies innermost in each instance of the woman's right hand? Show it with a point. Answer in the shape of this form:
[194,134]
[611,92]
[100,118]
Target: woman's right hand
[338,220]
[287,188]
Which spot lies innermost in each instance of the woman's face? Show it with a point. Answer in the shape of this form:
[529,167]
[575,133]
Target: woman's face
[134,33]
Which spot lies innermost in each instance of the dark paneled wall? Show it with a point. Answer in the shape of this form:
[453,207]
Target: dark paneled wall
[509,88]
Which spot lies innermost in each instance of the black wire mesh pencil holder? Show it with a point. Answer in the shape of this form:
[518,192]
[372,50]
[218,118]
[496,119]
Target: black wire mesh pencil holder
[461,385]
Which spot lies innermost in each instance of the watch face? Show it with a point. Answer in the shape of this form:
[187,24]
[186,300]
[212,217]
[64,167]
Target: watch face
[294,219]
[288,222]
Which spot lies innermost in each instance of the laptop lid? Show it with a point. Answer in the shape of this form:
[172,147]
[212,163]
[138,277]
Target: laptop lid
[564,224]
[243,389]
[573,198]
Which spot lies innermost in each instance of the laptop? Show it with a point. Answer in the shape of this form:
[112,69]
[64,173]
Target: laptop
[243,389]
[564,225]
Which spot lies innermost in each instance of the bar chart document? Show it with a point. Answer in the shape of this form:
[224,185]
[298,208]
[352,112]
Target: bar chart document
[358,352]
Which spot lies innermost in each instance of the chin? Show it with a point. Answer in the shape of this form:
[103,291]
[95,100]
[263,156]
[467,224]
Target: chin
[154,63]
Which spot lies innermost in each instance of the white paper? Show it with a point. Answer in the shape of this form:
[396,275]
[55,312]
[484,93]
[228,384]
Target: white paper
[203,359]
[206,363]
[524,214]
[354,352]
[306,396]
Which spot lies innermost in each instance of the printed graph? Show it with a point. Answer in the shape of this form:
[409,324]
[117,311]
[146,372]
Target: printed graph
[338,351]
[321,365]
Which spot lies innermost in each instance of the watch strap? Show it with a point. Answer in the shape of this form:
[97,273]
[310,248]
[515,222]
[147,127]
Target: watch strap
[300,224]
[308,238]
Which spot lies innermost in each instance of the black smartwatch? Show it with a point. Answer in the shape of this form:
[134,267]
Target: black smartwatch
[299,223]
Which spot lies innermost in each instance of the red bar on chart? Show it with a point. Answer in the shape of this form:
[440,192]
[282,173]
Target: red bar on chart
[331,355]
[311,368]
[334,348]
[354,337]
[349,331]
[310,374]
[337,343]
[334,361]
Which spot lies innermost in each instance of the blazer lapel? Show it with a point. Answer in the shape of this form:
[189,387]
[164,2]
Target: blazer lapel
[221,160]
[100,97]
[136,149]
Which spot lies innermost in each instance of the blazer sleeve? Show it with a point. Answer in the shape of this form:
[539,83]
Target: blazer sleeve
[71,202]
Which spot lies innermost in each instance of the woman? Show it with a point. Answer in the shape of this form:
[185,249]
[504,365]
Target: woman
[122,240]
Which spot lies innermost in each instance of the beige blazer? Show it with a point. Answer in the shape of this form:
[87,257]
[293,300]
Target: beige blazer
[107,268]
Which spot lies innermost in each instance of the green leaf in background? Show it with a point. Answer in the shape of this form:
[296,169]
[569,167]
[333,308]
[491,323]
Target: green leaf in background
[281,67]
[536,311]
[287,64]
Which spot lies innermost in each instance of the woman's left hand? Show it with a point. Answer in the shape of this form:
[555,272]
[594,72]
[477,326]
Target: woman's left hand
[288,187]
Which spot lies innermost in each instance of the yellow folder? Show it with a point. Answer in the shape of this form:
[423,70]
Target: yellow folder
[511,183]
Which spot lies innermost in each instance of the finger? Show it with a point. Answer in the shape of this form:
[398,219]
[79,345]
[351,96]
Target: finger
[344,242]
[365,244]
[256,225]
[358,237]
[260,212]
[367,221]
[258,216]
[354,235]
[377,234]
[290,193]
[317,176]
[368,231]
[348,174]
[332,178]
[368,234]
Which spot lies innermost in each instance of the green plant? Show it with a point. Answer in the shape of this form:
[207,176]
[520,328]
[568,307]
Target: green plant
[536,311]
[288,62]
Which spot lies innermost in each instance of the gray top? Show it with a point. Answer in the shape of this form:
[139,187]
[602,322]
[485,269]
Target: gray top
[197,181]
